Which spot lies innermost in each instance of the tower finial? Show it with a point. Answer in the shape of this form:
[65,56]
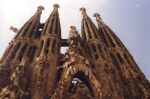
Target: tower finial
[97,15]
[99,19]
[83,11]
[56,6]
[40,8]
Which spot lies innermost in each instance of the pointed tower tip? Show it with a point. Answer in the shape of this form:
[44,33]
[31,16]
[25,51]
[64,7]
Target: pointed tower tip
[56,6]
[97,15]
[40,8]
[83,11]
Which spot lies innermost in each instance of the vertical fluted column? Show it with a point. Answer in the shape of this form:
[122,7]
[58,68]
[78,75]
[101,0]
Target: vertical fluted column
[22,47]
[91,35]
[109,37]
[13,52]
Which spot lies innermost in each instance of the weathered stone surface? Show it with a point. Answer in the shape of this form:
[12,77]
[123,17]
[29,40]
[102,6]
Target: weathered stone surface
[95,66]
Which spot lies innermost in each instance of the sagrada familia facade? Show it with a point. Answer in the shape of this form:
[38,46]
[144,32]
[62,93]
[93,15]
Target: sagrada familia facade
[96,65]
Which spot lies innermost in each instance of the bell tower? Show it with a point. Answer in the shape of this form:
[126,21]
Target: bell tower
[45,70]
[24,45]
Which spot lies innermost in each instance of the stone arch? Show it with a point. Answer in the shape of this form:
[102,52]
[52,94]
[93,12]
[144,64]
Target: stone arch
[74,71]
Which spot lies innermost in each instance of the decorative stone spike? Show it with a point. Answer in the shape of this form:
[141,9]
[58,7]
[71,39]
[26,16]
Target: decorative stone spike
[83,11]
[15,30]
[56,6]
[97,15]
[40,8]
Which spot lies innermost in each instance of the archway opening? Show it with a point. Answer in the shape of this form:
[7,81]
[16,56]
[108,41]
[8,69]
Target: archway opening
[80,80]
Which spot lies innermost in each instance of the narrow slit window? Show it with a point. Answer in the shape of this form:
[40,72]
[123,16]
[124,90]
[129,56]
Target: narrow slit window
[41,46]
[45,27]
[94,30]
[104,37]
[51,26]
[47,45]
[31,52]
[22,52]
[119,57]
[127,59]
[83,32]
[57,26]
[26,30]
[15,50]
[89,51]
[93,47]
[114,60]
[53,46]
[88,31]
[32,31]
[99,48]
[110,40]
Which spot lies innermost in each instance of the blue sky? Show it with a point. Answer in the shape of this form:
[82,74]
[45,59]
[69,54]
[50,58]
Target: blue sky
[129,19]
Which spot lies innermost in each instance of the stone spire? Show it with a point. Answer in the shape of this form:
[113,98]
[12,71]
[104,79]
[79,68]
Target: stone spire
[52,25]
[89,30]
[108,36]
[47,61]
[27,31]
[31,26]
[23,45]
[113,42]
[90,33]
[51,33]
[122,59]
